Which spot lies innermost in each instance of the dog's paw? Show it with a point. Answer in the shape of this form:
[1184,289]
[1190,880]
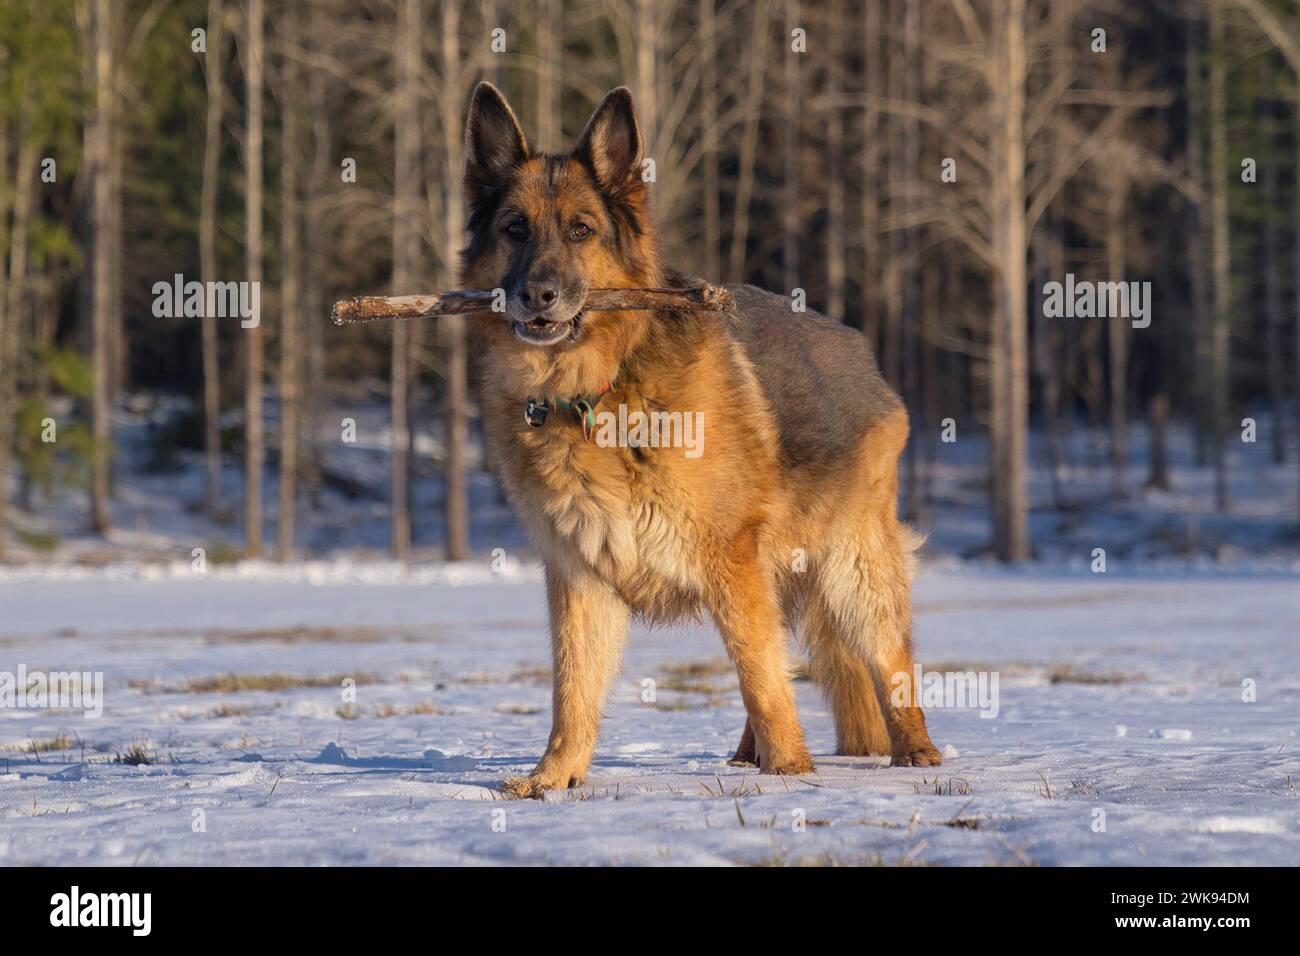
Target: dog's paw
[524,788]
[535,785]
[925,756]
[790,765]
[746,754]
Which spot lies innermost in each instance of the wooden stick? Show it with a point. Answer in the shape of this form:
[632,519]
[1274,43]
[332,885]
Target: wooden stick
[372,308]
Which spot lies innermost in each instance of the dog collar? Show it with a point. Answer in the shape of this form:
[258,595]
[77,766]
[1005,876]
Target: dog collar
[582,407]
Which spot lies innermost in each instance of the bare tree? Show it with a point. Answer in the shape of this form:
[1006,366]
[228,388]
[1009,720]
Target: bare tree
[749,143]
[8,358]
[1117,191]
[549,31]
[455,346]
[1200,362]
[316,201]
[215,70]
[1009,373]
[790,122]
[1270,263]
[1221,254]
[406,182]
[119,359]
[871,151]
[909,156]
[1287,41]
[835,230]
[710,181]
[647,71]
[13,291]
[291,287]
[98,149]
[253,442]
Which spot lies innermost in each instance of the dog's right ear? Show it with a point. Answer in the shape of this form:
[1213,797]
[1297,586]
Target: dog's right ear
[494,142]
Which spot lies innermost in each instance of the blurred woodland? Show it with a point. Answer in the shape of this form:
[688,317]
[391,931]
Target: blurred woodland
[921,169]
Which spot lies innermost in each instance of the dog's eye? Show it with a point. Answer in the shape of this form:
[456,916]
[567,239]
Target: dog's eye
[517,229]
[580,231]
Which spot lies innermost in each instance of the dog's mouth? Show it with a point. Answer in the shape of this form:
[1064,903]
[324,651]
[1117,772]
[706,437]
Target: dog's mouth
[540,330]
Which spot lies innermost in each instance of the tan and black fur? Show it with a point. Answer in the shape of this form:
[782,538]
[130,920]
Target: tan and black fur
[802,439]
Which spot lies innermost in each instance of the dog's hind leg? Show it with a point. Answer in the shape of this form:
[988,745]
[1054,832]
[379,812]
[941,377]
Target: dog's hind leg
[588,628]
[844,676]
[746,754]
[864,586]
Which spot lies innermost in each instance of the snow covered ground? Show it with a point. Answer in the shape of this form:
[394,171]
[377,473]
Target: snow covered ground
[1121,735]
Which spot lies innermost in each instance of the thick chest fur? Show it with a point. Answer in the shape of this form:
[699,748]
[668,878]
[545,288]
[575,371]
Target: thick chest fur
[616,511]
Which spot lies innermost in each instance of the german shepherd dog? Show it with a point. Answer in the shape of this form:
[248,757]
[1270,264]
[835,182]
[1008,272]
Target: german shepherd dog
[788,515]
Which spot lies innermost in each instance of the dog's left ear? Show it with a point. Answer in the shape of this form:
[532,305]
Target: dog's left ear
[611,145]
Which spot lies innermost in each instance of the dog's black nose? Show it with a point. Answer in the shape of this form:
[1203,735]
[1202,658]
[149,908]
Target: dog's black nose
[538,294]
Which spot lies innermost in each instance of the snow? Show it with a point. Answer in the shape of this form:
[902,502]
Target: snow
[1121,705]
[1123,734]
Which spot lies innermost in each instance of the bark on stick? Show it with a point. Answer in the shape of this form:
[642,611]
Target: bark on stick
[702,298]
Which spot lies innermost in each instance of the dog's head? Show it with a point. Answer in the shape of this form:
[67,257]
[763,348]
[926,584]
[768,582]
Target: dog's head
[546,229]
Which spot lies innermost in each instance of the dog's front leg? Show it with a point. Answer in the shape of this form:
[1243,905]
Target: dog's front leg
[588,628]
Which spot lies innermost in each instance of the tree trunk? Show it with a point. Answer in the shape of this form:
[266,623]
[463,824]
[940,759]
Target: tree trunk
[835,267]
[1159,458]
[1296,277]
[14,295]
[455,348]
[1055,261]
[7,359]
[790,219]
[253,447]
[98,162]
[208,248]
[1200,362]
[549,16]
[406,184]
[749,145]
[931,307]
[893,249]
[647,74]
[1118,329]
[871,151]
[291,288]
[1222,249]
[711,189]
[1051,267]
[120,367]
[1009,371]
[1273,315]
[316,243]
[909,341]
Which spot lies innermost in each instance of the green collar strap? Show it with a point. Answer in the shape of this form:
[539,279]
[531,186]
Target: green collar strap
[582,407]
